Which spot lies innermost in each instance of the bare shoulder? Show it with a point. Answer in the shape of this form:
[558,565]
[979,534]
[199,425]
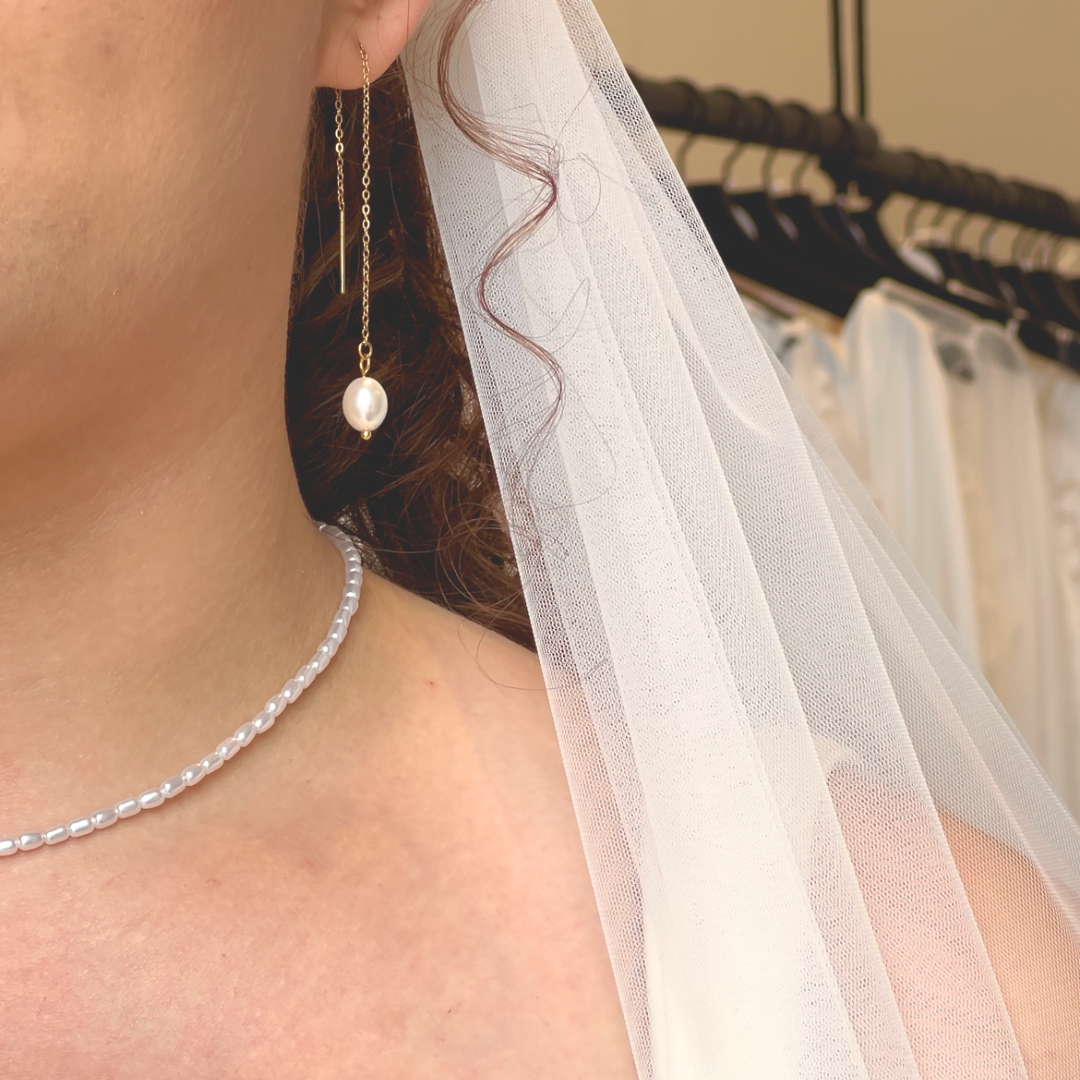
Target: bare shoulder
[1032,950]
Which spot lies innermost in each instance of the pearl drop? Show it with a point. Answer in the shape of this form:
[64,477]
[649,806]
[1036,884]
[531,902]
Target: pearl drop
[364,404]
[245,733]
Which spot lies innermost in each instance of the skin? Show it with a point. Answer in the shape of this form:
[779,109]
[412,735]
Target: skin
[391,885]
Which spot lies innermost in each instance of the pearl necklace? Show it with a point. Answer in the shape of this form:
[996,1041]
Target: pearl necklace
[263,721]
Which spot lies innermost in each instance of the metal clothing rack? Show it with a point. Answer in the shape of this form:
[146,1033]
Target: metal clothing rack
[850,151]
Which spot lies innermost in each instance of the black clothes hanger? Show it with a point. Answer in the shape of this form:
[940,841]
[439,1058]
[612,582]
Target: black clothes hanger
[1054,293]
[759,247]
[1042,292]
[825,254]
[792,228]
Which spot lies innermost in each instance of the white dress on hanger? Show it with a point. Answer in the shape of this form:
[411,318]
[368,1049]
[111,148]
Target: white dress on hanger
[902,401]
[817,363]
[1058,395]
[998,457]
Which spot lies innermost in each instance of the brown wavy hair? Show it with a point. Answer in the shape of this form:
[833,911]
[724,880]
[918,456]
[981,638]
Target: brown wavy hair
[422,495]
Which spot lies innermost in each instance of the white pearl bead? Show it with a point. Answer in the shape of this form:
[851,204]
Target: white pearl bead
[173,786]
[364,404]
[263,721]
[54,836]
[213,761]
[245,733]
[149,799]
[30,840]
[193,774]
[104,818]
[8,847]
[81,826]
[127,808]
[229,748]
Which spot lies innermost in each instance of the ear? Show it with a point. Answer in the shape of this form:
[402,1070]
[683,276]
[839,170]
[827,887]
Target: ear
[382,27]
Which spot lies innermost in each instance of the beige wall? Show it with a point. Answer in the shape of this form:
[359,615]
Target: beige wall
[990,82]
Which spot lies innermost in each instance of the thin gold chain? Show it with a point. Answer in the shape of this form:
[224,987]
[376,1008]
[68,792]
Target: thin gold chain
[364,348]
[339,147]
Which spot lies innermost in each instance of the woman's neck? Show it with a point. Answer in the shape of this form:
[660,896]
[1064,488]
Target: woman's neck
[159,575]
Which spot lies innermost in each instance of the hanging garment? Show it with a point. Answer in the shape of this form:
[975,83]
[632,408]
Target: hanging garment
[1014,548]
[815,359]
[1058,397]
[818,848]
[902,398]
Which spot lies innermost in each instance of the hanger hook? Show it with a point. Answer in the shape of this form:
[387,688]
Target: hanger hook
[767,168]
[1021,234]
[909,219]
[1051,243]
[1029,247]
[729,164]
[1035,251]
[1055,250]
[800,170]
[958,228]
[684,149]
[992,227]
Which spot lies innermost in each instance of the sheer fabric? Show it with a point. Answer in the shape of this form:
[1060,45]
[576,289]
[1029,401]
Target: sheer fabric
[818,366]
[1006,492]
[771,733]
[903,396]
[971,483]
[1058,396]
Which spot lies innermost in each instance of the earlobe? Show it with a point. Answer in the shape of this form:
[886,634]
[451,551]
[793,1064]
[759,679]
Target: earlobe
[381,27]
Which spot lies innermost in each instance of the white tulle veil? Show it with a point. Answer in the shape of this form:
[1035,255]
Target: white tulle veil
[782,759]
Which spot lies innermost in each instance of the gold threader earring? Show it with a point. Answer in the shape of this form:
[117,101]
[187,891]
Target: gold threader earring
[364,401]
